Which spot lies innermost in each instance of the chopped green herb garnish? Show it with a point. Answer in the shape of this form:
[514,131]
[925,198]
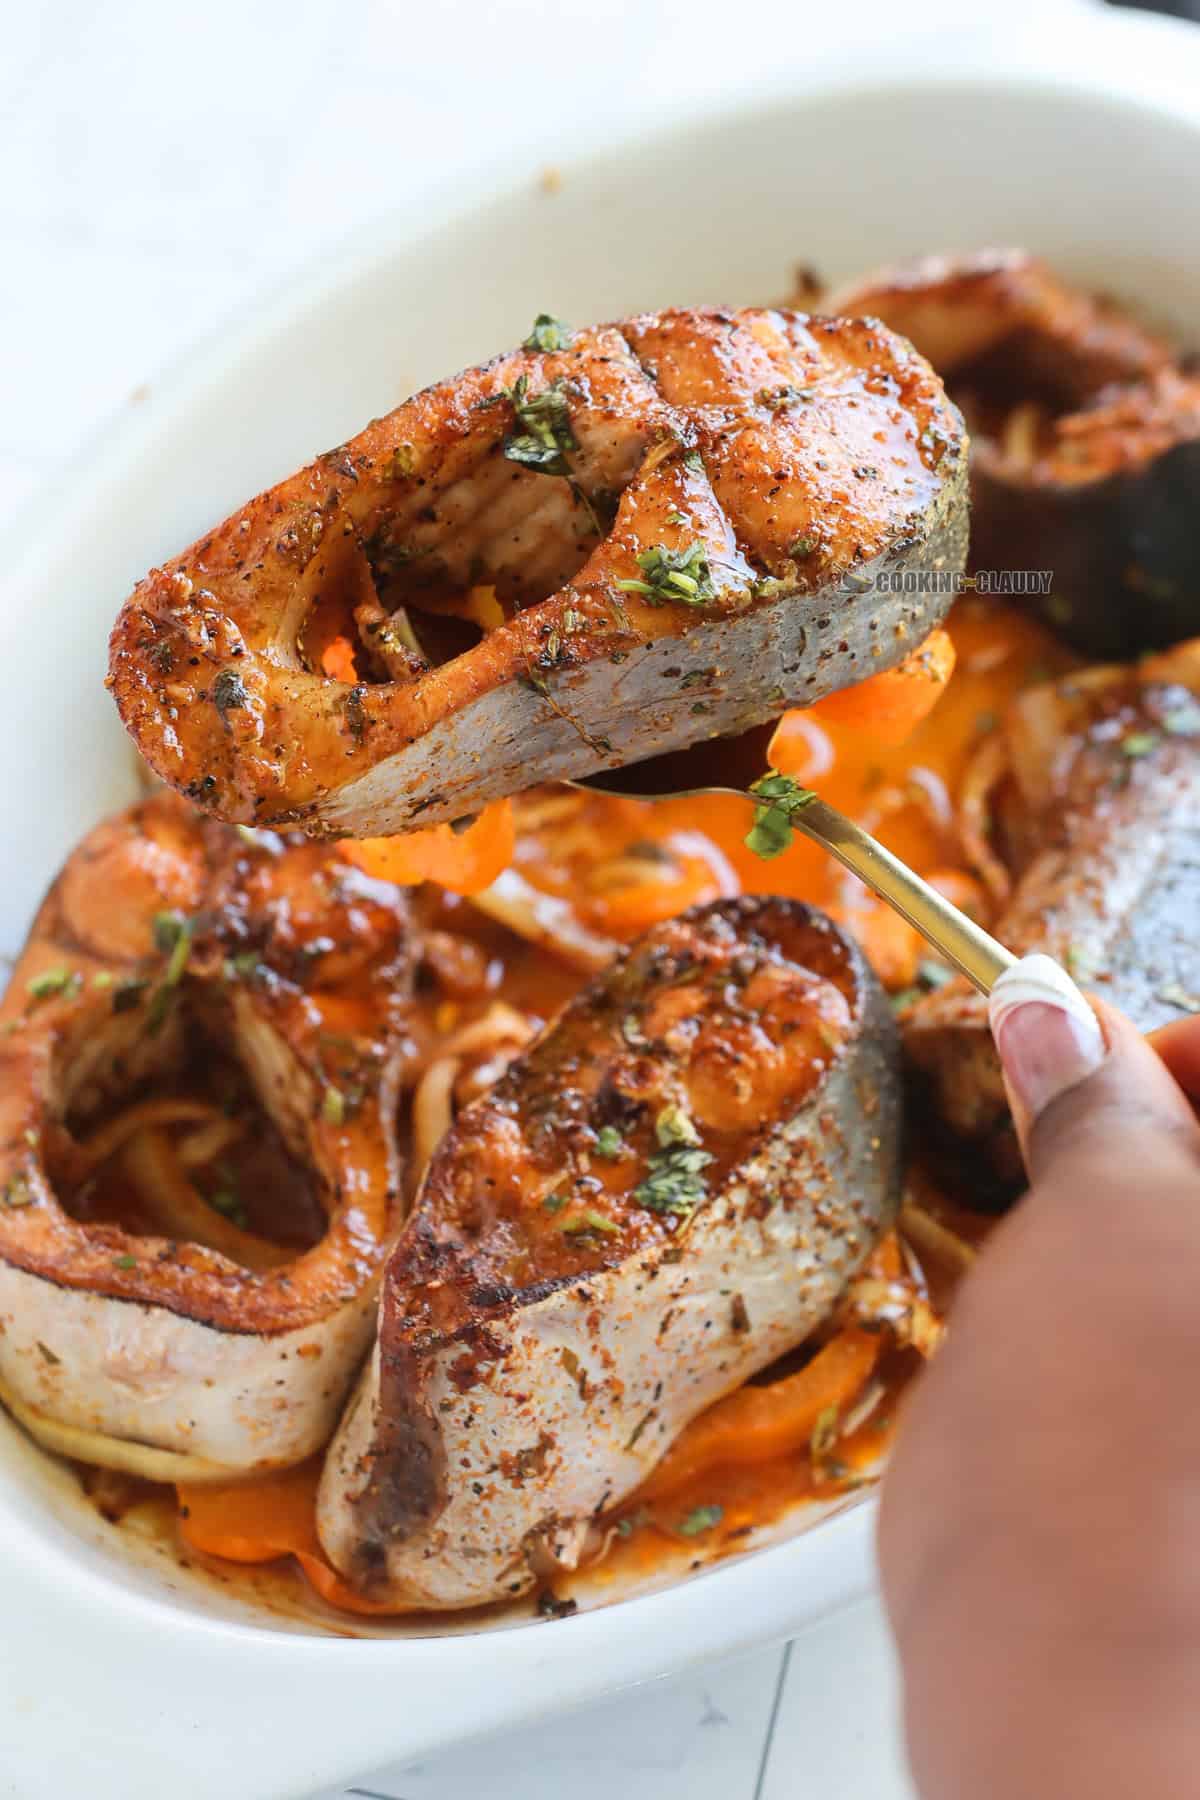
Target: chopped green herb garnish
[673,1126]
[404,462]
[674,1183]
[682,575]
[229,692]
[554,1203]
[103,978]
[824,1433]
[546,436]
[700,1519]
[1139,743]
[16,1193]
[930,977]
[548,333]
[584,1224]
[55,981]
[226,1202]
[333,1106]
[168,927]
[778,399]
[779,800]
[802,547]
[124,1262]
[173,935]
[245,966]
[609,1143]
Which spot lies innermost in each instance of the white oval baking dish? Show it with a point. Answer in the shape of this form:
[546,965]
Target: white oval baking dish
[1082,141]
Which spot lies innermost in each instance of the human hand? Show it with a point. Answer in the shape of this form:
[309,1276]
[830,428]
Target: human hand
[1040,1529]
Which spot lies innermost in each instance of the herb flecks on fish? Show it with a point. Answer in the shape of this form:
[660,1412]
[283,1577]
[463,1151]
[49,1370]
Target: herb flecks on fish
[548,333]
[680,575]
[546,437]
[674,1182]
[173,935]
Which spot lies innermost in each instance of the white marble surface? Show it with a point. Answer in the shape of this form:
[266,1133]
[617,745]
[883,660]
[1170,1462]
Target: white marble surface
[159,168]
[815,1721]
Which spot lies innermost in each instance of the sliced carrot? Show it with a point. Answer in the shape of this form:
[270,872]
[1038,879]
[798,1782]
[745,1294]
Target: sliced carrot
[890,944]
[962,889]
[696,873]
[262,1520]
[886,1261]
[758,1423]
[887,707]
[337,659]
[463,861]
[253,1521]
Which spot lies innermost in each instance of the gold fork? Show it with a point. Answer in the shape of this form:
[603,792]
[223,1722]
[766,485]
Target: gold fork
[965,945]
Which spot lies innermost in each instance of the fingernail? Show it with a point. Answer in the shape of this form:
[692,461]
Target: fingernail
[1047,1035]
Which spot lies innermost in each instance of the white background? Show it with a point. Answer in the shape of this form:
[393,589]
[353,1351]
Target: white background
[160,167]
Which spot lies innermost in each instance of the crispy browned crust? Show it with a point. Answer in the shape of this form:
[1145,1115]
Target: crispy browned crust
[693,418]
[62,1051]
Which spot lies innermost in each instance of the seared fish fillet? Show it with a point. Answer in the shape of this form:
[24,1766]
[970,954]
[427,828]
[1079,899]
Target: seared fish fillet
[959,309]
[676,521]
[1106,834]
[1085,441]
[297,966]
[671,1187]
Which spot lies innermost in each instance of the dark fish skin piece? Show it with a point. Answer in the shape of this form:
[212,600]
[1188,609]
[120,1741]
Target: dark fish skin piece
[1110,883]
[801,457]
[545,1333]
[1107,496]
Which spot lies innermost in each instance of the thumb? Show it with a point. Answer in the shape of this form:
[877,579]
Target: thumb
[1079,1074]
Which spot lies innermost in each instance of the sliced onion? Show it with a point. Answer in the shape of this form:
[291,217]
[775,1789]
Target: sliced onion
[545,920]
[151,1164]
